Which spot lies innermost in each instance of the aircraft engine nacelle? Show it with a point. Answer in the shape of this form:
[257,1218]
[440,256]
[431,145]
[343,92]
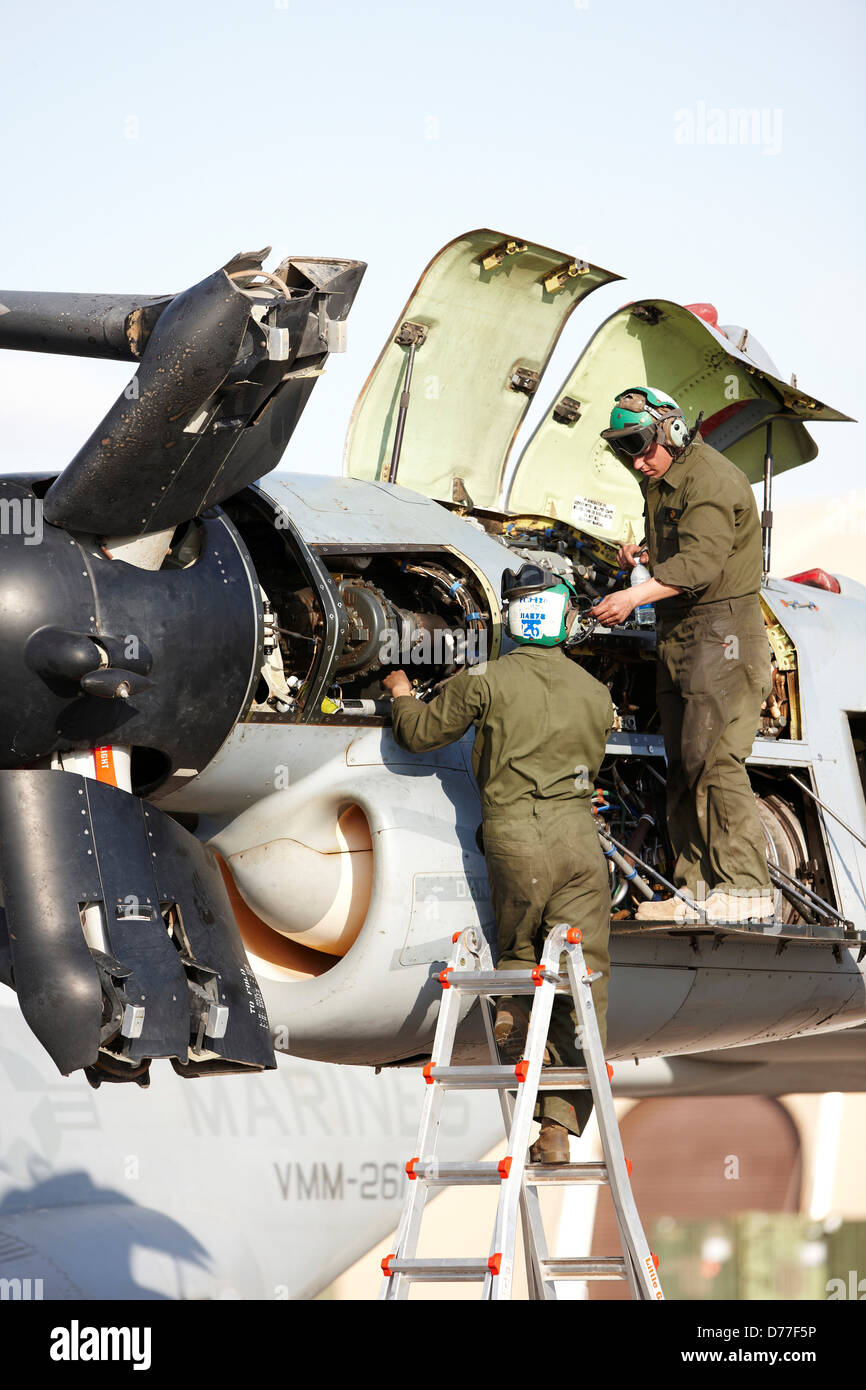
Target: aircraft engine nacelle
[349,882]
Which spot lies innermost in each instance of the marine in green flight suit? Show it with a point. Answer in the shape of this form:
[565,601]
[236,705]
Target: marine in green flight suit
[703,541]
[541,724]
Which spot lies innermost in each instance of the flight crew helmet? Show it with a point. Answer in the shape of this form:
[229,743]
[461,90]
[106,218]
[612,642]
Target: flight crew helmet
[536,605]
[643,416]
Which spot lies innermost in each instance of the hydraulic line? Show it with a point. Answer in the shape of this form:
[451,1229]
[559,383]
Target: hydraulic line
[621,893]
[825,807]
[806,896]
[625,791]
[628,875]
[628,871]
[654,873]
[803,906]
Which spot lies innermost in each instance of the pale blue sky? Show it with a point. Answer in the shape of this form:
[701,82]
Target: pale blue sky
[144,144]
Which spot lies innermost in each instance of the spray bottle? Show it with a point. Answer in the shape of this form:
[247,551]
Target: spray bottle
[644,614]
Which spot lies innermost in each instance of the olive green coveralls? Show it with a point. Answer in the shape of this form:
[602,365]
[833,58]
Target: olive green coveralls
[541,725]
[703,535]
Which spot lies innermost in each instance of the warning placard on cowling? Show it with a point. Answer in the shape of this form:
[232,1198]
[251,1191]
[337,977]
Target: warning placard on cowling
[587,512]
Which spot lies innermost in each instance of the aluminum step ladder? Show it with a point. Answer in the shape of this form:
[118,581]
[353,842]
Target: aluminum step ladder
[470,971]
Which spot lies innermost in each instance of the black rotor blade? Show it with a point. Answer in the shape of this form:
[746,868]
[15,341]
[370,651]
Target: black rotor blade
[79,325]
[226,369]
[120,478]
[189,995]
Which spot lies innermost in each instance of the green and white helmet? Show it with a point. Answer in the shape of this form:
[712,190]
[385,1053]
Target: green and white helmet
[537,602]
[642,416]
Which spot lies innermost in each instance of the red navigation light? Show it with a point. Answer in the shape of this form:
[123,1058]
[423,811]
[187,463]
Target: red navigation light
[708,312]
[816,579]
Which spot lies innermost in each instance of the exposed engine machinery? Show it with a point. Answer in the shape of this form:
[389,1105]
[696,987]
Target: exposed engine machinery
[337,621]
[381,633]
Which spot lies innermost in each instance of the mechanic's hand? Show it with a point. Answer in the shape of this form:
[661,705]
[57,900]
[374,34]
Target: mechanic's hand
[614,608]
[629,554]
[397,683]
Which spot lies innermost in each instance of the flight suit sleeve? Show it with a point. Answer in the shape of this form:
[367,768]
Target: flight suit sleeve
[706,538]
[421,727]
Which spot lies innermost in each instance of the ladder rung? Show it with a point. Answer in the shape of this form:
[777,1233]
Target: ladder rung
[440,1271]
[505,1078]
[584,1267]
[564,1079]
[465,1173]
[593,1171]
[501,982]
[456,1174]
[473,1078]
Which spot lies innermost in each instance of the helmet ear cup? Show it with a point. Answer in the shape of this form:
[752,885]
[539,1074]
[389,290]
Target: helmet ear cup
[675,431]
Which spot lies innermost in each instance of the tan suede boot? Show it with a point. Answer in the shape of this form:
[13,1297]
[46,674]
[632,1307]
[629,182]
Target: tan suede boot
[741,905]
[510,1028]
[665,910]
[551,1146]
